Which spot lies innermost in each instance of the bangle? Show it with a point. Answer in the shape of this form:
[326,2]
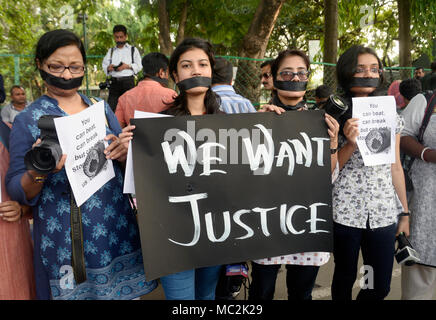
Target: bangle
[37,179]
[422,153]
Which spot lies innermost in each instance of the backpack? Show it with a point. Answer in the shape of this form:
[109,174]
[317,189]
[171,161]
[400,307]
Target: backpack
[407,160]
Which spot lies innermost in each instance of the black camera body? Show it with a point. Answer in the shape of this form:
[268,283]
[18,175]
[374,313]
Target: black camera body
[95,160]
[44,157]
[119,65]
[405,254]
[335,106]
[108,81]
[106,84]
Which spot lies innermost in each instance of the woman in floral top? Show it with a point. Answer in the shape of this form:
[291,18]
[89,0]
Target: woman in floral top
[366,199]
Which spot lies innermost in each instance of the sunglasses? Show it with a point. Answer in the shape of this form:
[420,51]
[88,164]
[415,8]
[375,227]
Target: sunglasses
[265,75]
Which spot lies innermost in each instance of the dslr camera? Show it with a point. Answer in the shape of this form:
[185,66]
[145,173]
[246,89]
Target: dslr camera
[108,81]
[106,84]
[335,106]
[44,157]
[405,254]
[119,65]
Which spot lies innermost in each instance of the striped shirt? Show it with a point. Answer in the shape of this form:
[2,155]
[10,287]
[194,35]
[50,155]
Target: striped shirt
[231,102]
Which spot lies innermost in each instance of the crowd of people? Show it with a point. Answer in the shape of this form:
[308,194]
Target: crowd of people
[98,243]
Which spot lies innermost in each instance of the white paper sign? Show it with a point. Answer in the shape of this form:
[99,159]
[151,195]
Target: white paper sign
[129,184]
[377,122]
[81,137]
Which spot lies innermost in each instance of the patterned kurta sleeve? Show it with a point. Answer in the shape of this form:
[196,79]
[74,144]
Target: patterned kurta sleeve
[23,135]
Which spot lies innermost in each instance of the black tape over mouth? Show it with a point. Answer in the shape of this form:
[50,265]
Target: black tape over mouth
[194,82]
[365,82]
[290,85]
[60,82]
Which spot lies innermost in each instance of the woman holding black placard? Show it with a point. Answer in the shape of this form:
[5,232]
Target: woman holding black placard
[191,67]
[291,71]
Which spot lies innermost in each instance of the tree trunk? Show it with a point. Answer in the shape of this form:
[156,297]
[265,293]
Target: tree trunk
[330,41]
[404,36]
[166,47]
[254,46]
[182,23]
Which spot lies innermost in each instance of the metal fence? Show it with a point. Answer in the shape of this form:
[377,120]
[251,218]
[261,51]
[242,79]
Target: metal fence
[19,69]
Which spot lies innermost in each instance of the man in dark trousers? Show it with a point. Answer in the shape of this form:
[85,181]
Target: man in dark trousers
[121,64]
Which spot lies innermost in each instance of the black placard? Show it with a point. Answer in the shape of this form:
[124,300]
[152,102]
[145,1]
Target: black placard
[244,213]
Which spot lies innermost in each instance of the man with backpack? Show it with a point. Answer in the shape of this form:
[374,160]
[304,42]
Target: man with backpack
[121,64]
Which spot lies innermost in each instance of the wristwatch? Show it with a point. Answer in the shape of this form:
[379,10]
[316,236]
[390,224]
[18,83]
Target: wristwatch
[333,151]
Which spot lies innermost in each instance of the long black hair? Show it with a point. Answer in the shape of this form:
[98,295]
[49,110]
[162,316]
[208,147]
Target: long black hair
[347,65]
[180,104]
[345,71]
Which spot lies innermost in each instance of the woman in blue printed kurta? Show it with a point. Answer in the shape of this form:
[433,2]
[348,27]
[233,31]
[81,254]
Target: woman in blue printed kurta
[112,252]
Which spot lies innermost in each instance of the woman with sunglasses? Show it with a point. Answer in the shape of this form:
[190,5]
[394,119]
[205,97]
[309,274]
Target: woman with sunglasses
[366,199]
[290,72]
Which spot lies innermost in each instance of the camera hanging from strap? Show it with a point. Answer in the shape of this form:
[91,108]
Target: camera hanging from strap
[77,252]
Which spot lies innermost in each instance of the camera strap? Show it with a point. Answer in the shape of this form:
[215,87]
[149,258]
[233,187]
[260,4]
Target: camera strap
[77,252]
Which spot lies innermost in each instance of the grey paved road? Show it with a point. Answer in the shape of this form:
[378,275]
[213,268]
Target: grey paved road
[322,289]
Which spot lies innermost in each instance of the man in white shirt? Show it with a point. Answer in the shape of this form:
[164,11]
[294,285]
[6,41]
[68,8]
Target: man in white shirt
[121,64]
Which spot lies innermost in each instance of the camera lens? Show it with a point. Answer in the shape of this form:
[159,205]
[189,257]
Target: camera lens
[42,159]
[335,106]
[95,160]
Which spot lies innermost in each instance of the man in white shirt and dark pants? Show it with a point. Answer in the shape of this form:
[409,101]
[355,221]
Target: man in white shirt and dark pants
[121,63]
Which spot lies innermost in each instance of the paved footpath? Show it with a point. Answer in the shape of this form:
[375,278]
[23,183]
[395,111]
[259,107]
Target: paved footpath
[322,287]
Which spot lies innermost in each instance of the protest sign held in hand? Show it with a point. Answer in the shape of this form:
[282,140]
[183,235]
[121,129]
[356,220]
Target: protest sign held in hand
[218,189]
[81,137]
[377,122]
[129,184]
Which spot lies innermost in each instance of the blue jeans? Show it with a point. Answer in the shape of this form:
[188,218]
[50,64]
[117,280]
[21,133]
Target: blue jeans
[196,284]
[300,281]
[378,246]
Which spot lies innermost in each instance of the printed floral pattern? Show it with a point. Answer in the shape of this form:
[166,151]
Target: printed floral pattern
[361,193]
